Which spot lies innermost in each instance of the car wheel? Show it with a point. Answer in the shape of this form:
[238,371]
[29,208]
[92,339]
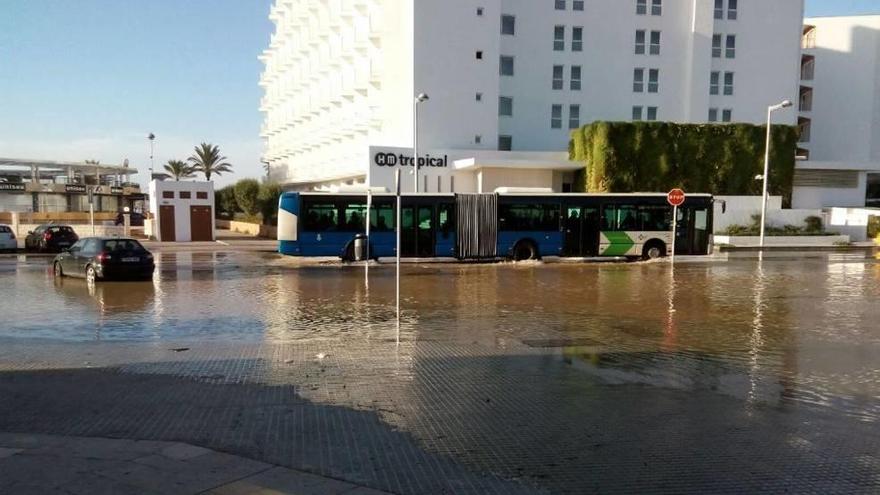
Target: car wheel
[56,270]
[91,274]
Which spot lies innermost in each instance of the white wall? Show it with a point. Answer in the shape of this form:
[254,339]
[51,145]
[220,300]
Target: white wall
[182,227]
[739,211]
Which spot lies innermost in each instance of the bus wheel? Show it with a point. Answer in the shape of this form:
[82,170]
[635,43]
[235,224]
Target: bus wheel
[525,250]
[654,250]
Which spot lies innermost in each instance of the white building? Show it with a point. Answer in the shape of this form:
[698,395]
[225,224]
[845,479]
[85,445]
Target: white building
[514,75]
[181,211]
[839,113]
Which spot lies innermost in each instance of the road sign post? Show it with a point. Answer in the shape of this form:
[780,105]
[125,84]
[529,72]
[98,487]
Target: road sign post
[675,198]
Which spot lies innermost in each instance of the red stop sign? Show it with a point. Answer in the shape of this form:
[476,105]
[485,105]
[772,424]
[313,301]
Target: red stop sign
[675,197]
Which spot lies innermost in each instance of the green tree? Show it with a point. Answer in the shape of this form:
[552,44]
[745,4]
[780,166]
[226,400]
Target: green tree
[247,193]
[224,200]
[269,194]
[179,169]
[207,160]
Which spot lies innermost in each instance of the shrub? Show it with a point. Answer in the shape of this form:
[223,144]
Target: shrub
[247,196]
[814,224]
[224,202]
[657,156]
[874,227]
[268,199]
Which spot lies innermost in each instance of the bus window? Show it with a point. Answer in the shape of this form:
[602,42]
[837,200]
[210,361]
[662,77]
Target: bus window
[382,218]
[446,216]
[353,216]
[655,218]
[528,217]
[620,218]
[320,217]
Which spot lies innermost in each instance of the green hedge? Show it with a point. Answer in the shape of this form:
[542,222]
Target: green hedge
[658,156]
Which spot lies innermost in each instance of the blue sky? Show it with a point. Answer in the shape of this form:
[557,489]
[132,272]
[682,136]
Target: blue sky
[89,79]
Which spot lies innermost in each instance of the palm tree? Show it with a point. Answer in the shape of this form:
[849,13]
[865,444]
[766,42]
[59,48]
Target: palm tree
[208,161]
[179,169]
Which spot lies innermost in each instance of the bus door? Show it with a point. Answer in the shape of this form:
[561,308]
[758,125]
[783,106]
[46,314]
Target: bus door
[580,226]
[417,234]
[692,231]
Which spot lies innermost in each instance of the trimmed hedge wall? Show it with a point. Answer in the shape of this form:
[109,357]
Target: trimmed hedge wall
[705,158]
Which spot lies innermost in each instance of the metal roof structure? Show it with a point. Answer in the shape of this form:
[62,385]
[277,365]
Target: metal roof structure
[50,168]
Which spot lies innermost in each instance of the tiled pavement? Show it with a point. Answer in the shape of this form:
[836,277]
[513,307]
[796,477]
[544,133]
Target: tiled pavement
[37,464]
[434,417]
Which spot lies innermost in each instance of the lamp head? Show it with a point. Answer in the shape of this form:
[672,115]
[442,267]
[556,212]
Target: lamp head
[422,97]
[779,106]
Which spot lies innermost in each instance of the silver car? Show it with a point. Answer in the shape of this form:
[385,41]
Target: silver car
[8,241]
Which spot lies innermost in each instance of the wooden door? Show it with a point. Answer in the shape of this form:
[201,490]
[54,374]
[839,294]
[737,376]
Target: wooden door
[200,224]
[166,223]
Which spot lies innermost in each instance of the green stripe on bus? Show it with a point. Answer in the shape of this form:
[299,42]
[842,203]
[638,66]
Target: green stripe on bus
[620,244]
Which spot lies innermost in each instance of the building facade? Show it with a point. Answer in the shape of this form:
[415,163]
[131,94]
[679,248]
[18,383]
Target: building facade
[839,113]
[509,79]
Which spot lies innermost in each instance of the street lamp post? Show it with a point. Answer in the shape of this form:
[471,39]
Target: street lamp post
[419,99]
[151,137]
[770,110]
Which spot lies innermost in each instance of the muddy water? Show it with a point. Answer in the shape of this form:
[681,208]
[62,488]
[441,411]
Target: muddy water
[804,329]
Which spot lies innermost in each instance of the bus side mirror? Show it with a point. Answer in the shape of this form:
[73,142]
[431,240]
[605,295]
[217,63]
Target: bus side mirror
[723,206]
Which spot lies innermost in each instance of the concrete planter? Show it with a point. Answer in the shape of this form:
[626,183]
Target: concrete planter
[785,241]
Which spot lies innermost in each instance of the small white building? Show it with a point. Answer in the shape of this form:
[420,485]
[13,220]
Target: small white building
[182,211]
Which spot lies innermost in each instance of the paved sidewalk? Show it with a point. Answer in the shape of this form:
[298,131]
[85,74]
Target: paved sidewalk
[36,464]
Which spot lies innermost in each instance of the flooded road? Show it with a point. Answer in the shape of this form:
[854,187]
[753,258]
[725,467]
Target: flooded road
[793,341]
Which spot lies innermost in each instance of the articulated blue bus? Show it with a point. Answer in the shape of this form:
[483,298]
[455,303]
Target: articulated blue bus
[518,226]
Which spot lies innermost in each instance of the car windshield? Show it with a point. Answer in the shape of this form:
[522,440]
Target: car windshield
[5,230]
[123,245]
[63,230]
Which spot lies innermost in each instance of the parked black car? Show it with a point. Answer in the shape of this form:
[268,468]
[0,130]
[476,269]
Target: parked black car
[137,219]
[50,238]
[97,258]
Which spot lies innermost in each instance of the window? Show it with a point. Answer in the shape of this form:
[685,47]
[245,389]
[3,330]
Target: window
[320,216]
[167,194]
[713,115]
[652,114]
[727,115]
[656,7]
[480,11]
[640,42]
[716,46]
[558,77]
[641,7]
[528,217]
[730,51]
[577,39]
[122,245]
[478,96]
[185,195]
[560,4]
[478,139]
[638,80]
[728,83]
[508,25]
[505,106]
[637,113]
[382,216]
[731,10]
[655,43]
[479,55]
[577,5]
[653,80]
[201,195]
[446,217]
[506,65]
[556,117]
[655,218]
[559,38]
[574,116]
[719,9]
[575,77]
[620,218]
[505,143]
[872,191]
[714,81]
